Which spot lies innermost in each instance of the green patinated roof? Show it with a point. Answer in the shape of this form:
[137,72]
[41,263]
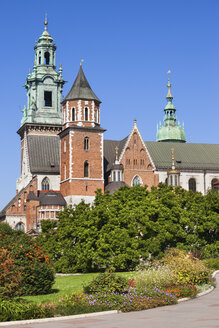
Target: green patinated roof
[170,131]
[187,155]
[81,89]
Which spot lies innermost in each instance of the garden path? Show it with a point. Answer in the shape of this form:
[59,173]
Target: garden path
[202,312]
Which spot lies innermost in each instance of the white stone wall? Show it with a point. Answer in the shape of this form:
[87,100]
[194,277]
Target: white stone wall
[203,180]
[54,181]
[76,199]
[14,219]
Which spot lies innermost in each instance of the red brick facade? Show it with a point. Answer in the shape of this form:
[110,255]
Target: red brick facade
[81,145]
[136,162]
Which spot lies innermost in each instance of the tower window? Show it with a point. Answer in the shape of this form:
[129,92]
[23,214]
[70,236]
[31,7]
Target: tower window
[86,169]
[73,114]
[86,114]
[46,58]
[192,184]
[48,98]
[45,184]
[119,176]
[86,143]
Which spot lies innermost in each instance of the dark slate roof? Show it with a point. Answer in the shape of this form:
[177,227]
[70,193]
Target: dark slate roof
[109,152]
[113,186]
[51,198]
[187,155]
[81,89]
[44,154]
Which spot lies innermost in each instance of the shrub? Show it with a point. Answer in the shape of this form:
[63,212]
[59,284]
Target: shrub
[11,310]
[107,282]
[182,291]
[212,263]
[10,277]
[132,300]
[37,276]
[154,277]
[186,268]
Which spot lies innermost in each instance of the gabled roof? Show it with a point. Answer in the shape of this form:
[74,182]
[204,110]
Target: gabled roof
[44,154]
[81,89]
[51,198]
[187,155]
[109,151]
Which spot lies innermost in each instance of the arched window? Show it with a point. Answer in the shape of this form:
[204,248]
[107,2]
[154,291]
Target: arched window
[86,143]
[45,184]
[86,169]
[86,114]
[212,183]
[19,226]
[136,181]
[73,114]
[46,58]
[192,184]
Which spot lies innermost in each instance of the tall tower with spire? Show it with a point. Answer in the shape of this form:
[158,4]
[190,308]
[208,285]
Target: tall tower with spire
[44,85]
[42,116]
[171,129]
[82,160]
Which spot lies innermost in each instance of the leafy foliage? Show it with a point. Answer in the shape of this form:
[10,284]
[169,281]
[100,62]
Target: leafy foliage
[29,261]
[107,282]
[10,277]
[121,230]
[186,269]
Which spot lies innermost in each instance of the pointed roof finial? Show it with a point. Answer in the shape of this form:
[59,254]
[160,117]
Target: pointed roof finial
[45,22]
[117,153]
[135,121]
[81,61]
[169,94]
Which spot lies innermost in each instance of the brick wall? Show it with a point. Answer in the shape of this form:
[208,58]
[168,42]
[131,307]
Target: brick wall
[136,161]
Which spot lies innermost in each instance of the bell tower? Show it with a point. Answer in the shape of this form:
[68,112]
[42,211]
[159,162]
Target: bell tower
[42,116]
[44,85]
[81,143]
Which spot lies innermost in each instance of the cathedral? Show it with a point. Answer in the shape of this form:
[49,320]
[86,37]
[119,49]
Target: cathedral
[64,157]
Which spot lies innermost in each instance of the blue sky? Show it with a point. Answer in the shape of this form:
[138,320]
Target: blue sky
[128,47]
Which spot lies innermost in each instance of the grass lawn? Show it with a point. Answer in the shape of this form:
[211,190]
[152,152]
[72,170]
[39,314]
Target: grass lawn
[66,285]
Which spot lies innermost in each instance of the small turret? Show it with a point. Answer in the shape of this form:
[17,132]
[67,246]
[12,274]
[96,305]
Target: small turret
[171,130]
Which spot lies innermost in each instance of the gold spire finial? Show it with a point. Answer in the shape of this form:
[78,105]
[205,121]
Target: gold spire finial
[173,159]
[36,41]
[135,120]
[29,70]
[117,152]
[46,22]
[169,95]
[81,61]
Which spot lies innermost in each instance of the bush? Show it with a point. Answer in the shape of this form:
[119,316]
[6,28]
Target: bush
[132,300]
[212,263]
[186,268]
[37,276]
[154,277]
[10,277]
[107,282]
[182,291]
[18,310]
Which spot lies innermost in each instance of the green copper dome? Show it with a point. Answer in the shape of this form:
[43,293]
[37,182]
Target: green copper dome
[171,130]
